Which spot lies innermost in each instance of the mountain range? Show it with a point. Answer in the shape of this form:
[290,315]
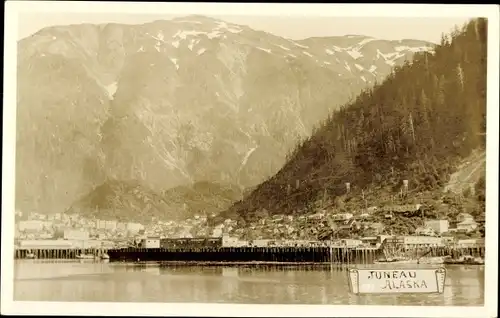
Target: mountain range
[176,103]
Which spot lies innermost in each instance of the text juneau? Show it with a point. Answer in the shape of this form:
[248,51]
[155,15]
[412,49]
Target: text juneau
[398,279]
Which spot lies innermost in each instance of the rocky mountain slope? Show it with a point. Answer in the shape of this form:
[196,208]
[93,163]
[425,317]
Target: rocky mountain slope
[173,103]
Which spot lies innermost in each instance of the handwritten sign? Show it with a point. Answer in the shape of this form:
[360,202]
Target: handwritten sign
[404,280]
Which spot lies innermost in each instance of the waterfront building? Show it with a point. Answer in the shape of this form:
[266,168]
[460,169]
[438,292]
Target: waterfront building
[439,226]
[350,242]
[45,244]
[448,240]
[420,241]
[31,225]
[76,234]
[426,231]
[467,225]
[470,243]
[151,242]
[230,241]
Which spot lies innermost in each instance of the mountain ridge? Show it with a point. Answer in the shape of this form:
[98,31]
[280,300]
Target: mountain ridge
[169,103]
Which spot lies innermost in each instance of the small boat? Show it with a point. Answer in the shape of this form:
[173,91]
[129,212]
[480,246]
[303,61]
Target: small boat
[30,255]
[104,256]
[465,260]
[85,256]
[424,260]
[394,260]
[430,260]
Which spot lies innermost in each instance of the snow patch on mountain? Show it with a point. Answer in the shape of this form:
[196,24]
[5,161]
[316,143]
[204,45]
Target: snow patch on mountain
[201,51]
[263,49]
[175,44]
[330,52]
[359,67]
[307,53]
[187,21]
[160,36]
[363,42]
[413,49]
[111,89]
[174,60]
[347,67]
[183,34]
[214,34]
[247,155]
[355,54]
[299,45]
[223,25]
[283,47]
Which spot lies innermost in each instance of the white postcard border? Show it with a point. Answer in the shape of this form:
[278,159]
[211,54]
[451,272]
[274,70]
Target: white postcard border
[13,8]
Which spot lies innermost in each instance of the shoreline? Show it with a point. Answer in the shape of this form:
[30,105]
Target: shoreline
[235,264]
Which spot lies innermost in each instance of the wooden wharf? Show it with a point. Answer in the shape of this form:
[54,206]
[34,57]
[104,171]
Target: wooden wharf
[334,254]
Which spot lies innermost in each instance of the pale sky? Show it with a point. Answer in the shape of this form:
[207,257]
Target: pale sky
[389,28]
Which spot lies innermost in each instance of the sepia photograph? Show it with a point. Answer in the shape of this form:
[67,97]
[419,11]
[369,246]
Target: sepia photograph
[158,156]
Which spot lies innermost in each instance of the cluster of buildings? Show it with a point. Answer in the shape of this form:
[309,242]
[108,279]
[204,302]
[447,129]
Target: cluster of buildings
[464,223]
[278,230]
[72,226]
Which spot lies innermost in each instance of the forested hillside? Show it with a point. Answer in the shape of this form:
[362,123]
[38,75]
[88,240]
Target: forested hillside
[416,125]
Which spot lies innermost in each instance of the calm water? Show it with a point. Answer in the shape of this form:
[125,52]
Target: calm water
[37,280]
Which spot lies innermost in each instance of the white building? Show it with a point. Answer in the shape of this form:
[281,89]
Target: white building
[468,243]
[424,241]
[76,234]
[218,230]
[31,225]
[120,226]
[317,216]
[152,242]
[439,226]
[350,242]
[100,224]
[467,226]
[230,241]
[40,244]
[462,217]
[261,242]
[134,227]
[426,231]
[111,225]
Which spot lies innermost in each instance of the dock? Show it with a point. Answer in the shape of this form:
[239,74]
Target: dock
[56,253]
[332,254]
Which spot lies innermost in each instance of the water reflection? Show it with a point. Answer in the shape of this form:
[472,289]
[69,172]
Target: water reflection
[94,281]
